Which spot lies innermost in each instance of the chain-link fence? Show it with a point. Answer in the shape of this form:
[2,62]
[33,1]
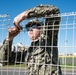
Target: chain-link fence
[66,45]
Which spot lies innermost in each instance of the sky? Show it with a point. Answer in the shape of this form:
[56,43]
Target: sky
[15,7]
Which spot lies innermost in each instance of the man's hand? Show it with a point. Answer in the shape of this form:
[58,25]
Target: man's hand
[17,26]
[12,32]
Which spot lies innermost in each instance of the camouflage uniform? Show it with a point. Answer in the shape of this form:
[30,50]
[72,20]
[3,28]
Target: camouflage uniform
[42,56]
[41,60]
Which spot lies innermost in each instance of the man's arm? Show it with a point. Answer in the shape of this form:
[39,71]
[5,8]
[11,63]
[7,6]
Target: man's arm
[5,51]
[7,43]
[39,11]
[20,18]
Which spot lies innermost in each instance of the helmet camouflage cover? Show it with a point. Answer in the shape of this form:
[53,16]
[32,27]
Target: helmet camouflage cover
[34,22]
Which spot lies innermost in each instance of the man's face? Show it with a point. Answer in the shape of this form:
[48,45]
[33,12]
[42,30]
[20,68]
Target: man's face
[34,33]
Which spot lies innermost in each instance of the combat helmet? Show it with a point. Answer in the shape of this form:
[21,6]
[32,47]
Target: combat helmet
[34,22]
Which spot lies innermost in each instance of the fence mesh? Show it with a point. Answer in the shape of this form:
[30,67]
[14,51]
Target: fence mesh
[66,45]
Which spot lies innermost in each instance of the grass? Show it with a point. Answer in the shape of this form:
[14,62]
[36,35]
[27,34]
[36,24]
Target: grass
[65,65]
[23,66]
[15,65]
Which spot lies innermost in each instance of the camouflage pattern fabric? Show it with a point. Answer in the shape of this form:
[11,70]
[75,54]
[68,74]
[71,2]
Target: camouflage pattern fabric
[5,50]
[41,60]
[42,11]
[44,60]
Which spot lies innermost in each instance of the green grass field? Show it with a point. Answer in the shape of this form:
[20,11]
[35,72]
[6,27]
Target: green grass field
[68,61]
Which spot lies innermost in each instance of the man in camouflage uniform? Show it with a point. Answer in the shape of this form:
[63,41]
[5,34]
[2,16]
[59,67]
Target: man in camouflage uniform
[42,56]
